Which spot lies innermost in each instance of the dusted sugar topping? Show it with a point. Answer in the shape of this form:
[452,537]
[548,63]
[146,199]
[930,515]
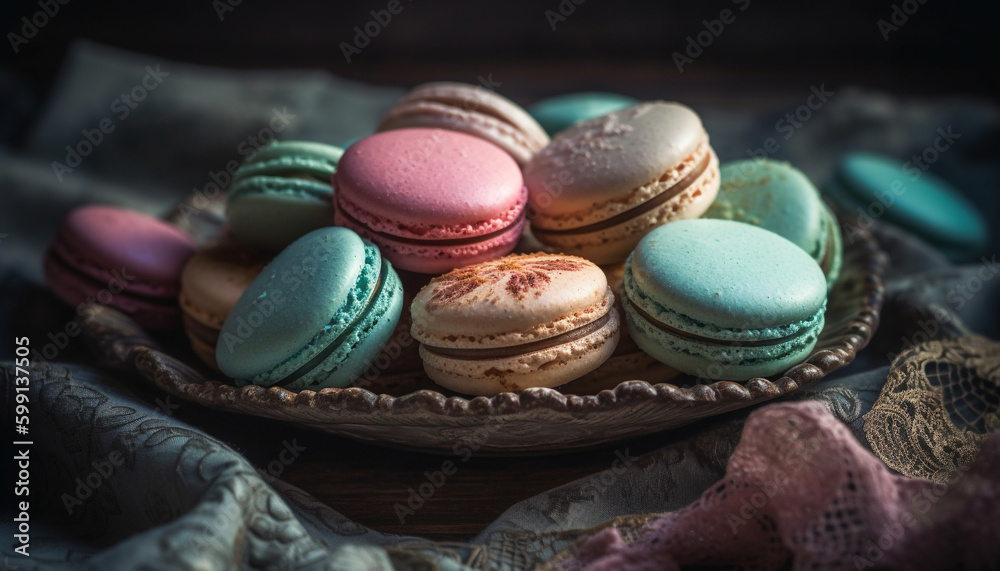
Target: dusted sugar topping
[608,157]
[513,300]
[519,277]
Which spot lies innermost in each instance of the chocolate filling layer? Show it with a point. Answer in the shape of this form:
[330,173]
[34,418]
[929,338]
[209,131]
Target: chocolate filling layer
[695,337]
[429,242]
[655,202]
[515,350]
[332,346]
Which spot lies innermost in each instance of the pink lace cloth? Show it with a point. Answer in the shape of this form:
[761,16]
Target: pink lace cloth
[800,492]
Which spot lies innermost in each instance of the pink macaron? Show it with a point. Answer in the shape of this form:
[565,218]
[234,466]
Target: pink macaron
[120,258]
[433,200]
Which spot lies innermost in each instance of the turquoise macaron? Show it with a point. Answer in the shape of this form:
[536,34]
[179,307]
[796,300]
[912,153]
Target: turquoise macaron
[557,113]
[281,193]
[871,187]
[723,300]
[778,197]
[316,316]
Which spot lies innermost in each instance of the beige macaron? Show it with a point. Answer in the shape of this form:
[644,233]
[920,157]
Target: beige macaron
[212,282]
[532,320]
[604,183]
[472,110]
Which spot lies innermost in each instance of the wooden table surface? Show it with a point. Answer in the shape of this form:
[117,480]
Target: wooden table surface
[365,482]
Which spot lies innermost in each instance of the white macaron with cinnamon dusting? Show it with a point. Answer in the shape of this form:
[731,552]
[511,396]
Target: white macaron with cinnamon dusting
[522,321]
[472,110]
[604,183]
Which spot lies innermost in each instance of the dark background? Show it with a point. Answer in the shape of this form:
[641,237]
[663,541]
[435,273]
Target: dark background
[943,47]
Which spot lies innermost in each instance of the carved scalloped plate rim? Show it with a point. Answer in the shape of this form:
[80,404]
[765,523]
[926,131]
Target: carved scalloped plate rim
[388,420]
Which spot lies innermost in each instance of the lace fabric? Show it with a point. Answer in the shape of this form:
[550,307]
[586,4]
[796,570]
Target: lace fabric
[801,492]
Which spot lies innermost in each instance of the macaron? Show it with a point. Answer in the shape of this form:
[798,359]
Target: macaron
[212,282]
[723,300]
[282,193]
[532,320]
[432,200]
[871,187]
[602,184]
[778,197]
[316,316]
[120,258]
[557,113]
[469,109]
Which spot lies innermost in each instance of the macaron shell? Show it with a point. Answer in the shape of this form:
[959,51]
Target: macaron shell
[511,301]
[723,274]
[775,196]
[95,240]
[546,368]
[299,155]
[608,157]
[76,288]
[927,205]
[557,113]
[833,259]
[313,286]
[355,350]
[472,110]
[272,220]
[613,244]
[712,361]
[430,180]
[212,282]
[437,259]
[215,278]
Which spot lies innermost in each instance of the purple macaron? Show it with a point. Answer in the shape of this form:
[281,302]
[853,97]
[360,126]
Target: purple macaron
[120,258]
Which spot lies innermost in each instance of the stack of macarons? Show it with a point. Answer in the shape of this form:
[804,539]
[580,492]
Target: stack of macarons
[462,224]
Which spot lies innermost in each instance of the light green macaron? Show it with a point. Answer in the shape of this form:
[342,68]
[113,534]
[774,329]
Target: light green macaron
[282,193]
[778,197]
[723,300]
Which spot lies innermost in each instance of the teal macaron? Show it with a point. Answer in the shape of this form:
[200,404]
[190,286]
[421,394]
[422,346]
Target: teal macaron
[778,197]
[871,187]
[315,317]
[281,193]
[723,300]
[557,113]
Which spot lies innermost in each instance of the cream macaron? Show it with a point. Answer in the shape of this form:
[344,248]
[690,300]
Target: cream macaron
[472,110]
[522,321]
[604,183]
